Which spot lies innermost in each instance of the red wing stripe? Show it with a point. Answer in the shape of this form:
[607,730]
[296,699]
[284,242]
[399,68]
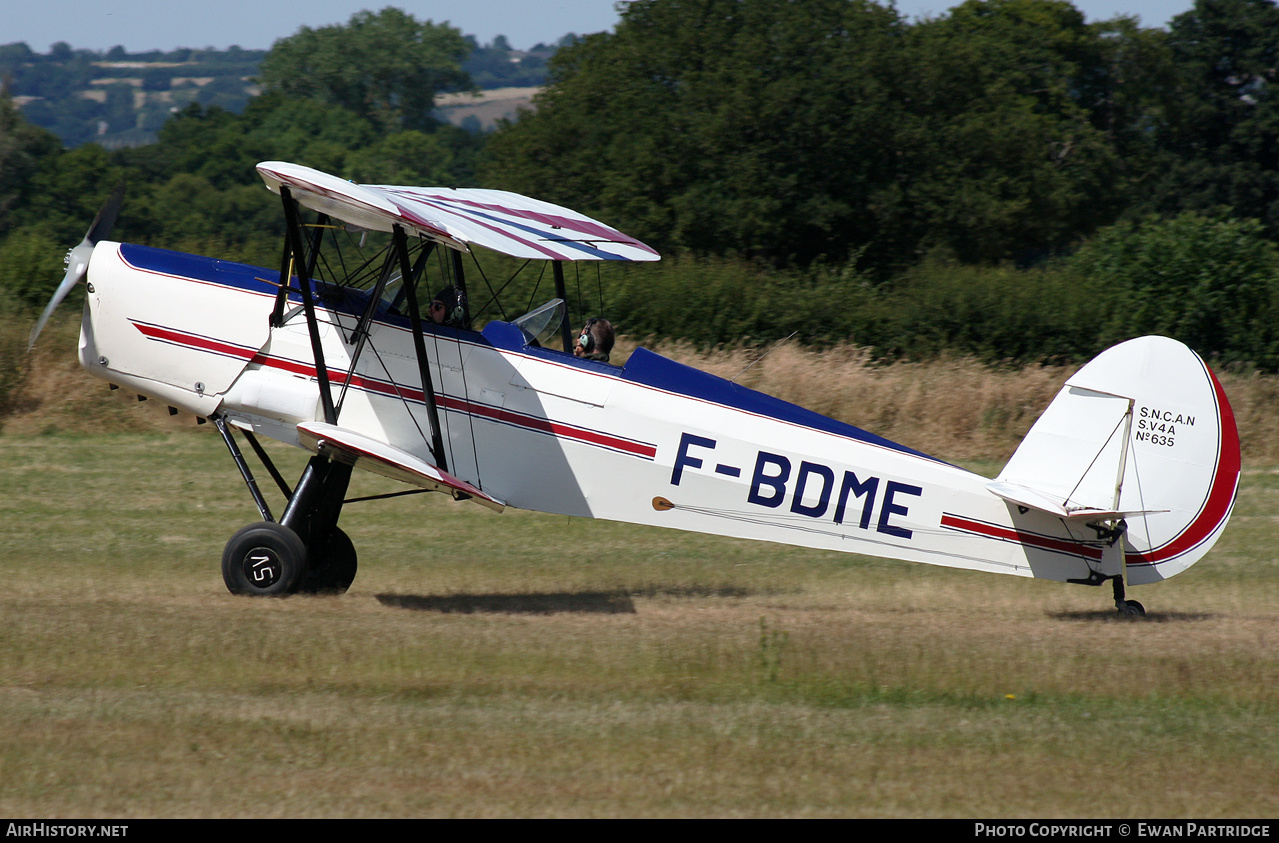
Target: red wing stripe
[591,229]
[502,232]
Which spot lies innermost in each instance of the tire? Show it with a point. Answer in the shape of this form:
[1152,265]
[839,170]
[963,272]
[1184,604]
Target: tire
[1133,609]
[333,566]
[264,560]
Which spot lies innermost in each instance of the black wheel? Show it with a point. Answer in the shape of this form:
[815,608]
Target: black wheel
[333,566]
[264,560]
[1132,609]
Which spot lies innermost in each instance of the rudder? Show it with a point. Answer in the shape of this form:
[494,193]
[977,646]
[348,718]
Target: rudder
[1143,432]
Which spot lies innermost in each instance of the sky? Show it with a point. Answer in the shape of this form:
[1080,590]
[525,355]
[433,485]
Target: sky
[142,25]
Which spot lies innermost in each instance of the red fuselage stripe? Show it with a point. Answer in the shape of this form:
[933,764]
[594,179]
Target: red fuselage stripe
[448,402]
[1011,534]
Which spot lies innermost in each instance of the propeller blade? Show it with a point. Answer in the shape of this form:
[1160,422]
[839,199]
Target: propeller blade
[77,263]
[78,258]
[105,220]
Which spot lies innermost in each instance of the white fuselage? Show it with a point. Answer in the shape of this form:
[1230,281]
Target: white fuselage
[654,443]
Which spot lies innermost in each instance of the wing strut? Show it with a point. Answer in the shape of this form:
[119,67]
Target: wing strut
[286,269]
[258,500]
[401,246]
[294,233]
[459,280]
[557,267]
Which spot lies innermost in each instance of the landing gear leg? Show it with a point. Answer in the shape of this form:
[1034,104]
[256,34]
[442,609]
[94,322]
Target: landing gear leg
[313,513]
[1113,566]
[305,552]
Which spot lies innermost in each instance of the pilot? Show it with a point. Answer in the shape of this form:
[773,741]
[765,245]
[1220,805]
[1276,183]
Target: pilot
[595,341]
[449,307]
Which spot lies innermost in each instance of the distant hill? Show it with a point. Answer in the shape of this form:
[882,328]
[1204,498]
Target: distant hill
[121,99]
[118,98]
[481,113]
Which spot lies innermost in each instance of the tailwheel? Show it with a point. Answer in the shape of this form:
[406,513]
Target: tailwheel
[1127,608]
[1131,609]
[264,559]
[332,567]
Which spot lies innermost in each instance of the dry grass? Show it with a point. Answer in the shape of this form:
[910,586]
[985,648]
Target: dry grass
[956,409]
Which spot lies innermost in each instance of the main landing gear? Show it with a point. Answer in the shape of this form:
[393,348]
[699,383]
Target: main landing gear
[305,551]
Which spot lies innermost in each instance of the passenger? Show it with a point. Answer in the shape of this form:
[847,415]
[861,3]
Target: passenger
[449,308]
[596,340]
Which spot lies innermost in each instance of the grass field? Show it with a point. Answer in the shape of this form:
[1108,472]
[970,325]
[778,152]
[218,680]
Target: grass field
[526,665]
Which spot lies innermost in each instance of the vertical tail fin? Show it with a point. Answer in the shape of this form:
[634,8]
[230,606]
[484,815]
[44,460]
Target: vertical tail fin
[1142,432]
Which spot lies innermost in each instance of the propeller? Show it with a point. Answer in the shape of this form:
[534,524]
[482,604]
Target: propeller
[78,258]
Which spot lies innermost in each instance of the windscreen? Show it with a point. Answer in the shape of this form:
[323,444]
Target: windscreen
[541,325]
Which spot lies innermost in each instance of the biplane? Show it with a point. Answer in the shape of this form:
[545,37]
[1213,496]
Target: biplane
[1128,477]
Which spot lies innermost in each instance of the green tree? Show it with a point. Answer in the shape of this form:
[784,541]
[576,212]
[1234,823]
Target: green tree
[207,142]
[444,157]
[757,127]
[22,149]
[306,131]
[1222,139]
[1210,281]
[794,132]
[1132,92]
[30,267]
[67,190]
[384,66]
[1000,155]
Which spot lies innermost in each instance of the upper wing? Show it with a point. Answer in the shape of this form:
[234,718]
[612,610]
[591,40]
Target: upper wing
[460,217]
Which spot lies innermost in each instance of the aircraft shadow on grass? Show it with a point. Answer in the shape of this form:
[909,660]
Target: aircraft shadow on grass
[550,603]
[1152,617]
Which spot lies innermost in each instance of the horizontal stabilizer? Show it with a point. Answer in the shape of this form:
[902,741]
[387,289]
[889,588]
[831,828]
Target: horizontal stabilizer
[371,455]
[1035,499]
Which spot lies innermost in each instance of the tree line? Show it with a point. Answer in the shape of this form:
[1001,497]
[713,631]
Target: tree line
[118,98]
[1005,179]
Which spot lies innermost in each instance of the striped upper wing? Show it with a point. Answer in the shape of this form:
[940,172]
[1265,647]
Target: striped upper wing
[460,217]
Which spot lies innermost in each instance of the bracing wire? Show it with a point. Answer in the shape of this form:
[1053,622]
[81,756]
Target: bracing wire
[495,294]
